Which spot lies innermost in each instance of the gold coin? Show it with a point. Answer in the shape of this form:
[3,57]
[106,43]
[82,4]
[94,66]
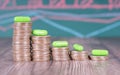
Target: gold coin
[60,53]
[20,51]
[36,46]
[99,58]
[62,48]
[40,37]
[23,24]
[61,59]
[41,60]
[26,58]
[79,52]
[41,52]
[80,58]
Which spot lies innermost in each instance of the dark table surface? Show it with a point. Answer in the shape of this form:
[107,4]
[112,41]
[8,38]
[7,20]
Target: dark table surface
[110,67]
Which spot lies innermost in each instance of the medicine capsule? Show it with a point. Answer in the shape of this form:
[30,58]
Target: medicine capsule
[98,52]
[22,19]
[78,47]
[60,44]
[38,32]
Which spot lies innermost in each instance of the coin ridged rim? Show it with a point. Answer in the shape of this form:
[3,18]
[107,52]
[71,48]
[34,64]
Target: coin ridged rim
[22,24]
[41,52]
[61,48]
[22,54]
[42,58]
[44,54]
[39,46]
[39,41]
[61,52]
[22,28]
[59,59]
[99,58]
[79,52]
[79,56]
[20,48]
[38,37]
[39,60]
[20,51]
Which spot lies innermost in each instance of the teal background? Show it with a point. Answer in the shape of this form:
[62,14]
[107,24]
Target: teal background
[65,28]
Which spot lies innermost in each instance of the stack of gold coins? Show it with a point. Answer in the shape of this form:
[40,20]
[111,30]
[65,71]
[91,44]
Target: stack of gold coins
[99,55]
[78,54]
[60,51]
[21,38]
[40,45]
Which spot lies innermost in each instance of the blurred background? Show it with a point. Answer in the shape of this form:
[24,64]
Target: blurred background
[64,18]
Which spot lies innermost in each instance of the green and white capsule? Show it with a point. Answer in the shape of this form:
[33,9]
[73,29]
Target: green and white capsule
[78,47]
[38,32]
[22,19]
[99,52]
[60,44]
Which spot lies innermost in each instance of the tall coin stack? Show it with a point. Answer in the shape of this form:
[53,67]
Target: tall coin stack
[60,51]
[78,54]
[21,38]
[99,55]
[40,46]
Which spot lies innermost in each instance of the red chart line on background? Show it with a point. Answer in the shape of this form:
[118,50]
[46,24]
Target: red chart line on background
[12,14]
[102,30]
[86,19]
[93,6]
[5,29]
[95,15]
[62,14]
[10,20]
[94,33]
[63,28]
[95,20]
[72,17]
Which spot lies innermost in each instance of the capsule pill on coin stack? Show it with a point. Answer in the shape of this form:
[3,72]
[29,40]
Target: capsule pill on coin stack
[40,45]
[99,55]
[60,51]
[21,38]
[78,54]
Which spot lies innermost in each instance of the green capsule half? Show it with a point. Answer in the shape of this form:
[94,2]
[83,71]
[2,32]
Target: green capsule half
[60,44]
[38,32]
[78,47]
[98,52]
[22,19]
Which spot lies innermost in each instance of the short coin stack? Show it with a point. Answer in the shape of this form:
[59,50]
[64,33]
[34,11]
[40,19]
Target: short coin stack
[99,55]
[40,46]
[78,54]
[21,39]
[60,51]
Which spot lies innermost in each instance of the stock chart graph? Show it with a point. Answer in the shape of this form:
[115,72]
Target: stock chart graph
[79,18]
